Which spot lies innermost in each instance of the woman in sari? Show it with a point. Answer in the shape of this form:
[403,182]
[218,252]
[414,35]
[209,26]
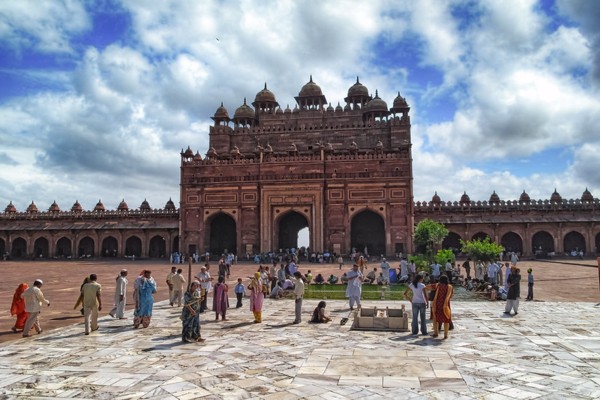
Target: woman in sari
[80,298]
[220,299]
[18,308]
[440,308]
[257,297]
[190,315]
[144,288]
[319,316]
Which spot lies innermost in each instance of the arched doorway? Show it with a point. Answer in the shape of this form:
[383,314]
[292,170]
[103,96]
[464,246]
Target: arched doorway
[41,248]
[512,243]
[110,247]
[542,243]
[133,246]
[19,248]
[598,243]
[367,232]
[222,235]
[288,228]
[2,248]
[452,242]
[574,241]
[176,244]
[480,236]
[158,247]
[63,248]
[85,248]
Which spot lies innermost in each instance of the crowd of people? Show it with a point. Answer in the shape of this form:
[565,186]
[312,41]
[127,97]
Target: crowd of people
[432,289]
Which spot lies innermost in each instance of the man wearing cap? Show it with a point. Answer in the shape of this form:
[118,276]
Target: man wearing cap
[34,298]
[92,303]
[120,295]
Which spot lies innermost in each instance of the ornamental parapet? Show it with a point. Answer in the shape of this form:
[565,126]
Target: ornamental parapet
[505,206]
[107,214]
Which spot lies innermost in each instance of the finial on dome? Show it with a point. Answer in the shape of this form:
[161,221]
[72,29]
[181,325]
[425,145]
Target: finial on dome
[310,78]
[357,79]
[244,101]
[376,94]
[265,85]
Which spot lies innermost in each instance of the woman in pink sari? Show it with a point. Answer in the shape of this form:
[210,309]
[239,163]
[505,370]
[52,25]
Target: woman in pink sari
[220,299]
[257,297]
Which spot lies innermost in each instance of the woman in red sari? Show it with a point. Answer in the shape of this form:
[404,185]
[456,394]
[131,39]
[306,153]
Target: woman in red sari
[18,308]
[441,306]
[257,297]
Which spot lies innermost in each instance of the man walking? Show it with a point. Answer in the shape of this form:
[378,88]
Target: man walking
[178,284]
[34,298]
[354,288]
[299,295]
[92,303]
[205,283]
[120,296]
[170,283]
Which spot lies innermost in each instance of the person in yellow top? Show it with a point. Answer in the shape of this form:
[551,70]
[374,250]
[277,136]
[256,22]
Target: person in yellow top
[92,303]
[34,298]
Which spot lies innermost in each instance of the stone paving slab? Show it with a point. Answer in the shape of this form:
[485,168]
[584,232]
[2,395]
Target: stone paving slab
[550,350]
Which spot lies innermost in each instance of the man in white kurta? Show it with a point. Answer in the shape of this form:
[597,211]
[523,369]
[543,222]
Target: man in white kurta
[170,283]
[120,295]
[178,287]
[354,289]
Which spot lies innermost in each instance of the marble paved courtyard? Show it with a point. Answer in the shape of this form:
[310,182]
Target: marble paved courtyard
[549,351]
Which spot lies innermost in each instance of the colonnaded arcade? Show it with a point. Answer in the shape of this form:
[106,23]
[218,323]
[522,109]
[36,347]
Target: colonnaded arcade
[343,172]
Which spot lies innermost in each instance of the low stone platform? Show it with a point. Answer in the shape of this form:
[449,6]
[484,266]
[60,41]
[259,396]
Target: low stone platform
[549,351]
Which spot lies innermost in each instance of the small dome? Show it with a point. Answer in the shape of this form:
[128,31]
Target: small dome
[145,206]
[221,112]
[188,153]
[587,196]
[54,207]
[123,206]
[465,198]
[494,198]
[244,112]
[338,108]
[76,207]
[211,153]
[376,105]
[296,109]
[358,90]
[436,199]
[555,197]
[311,89]
[265,96]
[99,206]
[32,208]
[279,111]
[287,110]
[524,198]
[197,156]
[10,208]
[400,102]
[170,205]
[330,108]
[347,107]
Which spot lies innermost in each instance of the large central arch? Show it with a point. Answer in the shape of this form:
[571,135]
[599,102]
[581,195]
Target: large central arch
[367,231]
[222,234]
[288,227]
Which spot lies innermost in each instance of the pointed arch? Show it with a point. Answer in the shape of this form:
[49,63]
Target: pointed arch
[367,231]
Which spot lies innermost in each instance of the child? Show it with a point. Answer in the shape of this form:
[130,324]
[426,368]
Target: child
[239,290]
[529,285]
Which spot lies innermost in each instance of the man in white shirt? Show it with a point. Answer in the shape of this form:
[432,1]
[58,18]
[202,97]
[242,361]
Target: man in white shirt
[385,270]
[354,288]
[205,283]
[34,298]
[435,271]
[448,269]
[299,295]
[492,272]
[120,295]
[178,287]
[170,283]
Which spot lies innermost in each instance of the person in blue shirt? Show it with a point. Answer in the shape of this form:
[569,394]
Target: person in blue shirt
[239,290]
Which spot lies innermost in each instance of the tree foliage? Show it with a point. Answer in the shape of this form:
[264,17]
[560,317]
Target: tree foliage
[428,236]
[481,250]
[443,256]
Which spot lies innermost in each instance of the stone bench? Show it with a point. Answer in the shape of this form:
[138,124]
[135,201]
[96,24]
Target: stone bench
[385,319]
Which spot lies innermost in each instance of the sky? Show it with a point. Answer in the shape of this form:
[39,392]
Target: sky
[98,98]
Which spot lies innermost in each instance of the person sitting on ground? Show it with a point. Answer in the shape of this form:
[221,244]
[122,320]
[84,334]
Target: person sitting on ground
[344,278]
[381,279]
[319,280]
[371,276]
[332,280]
[277,291]
[308,277]
[319,316]
[288,284]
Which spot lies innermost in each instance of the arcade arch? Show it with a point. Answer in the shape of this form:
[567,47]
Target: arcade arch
[598,243]
[19,248]
[452,241]
[574,241]
[133,246]
[41,248]
[512,243]
[542,243]
[158,247]
[367,231]
[63,247]
[287,228]
[480,236]
[110,247]
[86,247]
[2,247]
[221,234]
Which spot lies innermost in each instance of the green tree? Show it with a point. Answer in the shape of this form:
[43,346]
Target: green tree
[443,256]
[428,237]
[481,250]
